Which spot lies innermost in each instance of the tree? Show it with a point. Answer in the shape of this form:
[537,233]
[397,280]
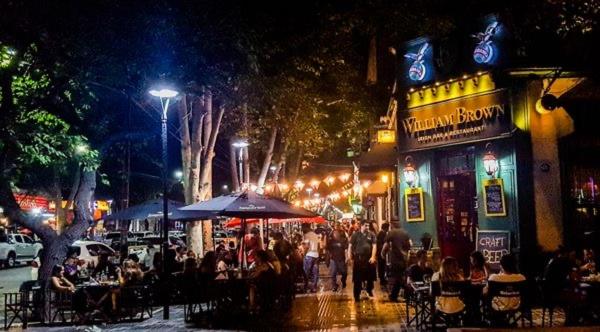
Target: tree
[35,101]
[198,135]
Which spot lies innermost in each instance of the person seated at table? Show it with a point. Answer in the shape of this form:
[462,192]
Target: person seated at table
[180,254]
[449,272]
[131,274]
[418,270]
[252,243]
[263,278]
[479,270]
[274,261]
[191,254]
[71,267]
[588,265]
[208,266]
[223,263]
[59,282]
[190,268]
[104,268]
[508,273]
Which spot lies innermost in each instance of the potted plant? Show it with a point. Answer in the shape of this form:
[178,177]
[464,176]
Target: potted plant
[426,240]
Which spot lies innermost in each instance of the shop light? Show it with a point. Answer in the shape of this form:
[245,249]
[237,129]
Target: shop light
[490,163]
[410,172]
[315,183]
[385,178]
[299,185]
[345,177]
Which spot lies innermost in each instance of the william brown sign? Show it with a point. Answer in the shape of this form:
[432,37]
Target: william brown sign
[455,121]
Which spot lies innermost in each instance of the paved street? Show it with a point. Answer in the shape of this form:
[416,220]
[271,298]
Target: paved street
[11,279]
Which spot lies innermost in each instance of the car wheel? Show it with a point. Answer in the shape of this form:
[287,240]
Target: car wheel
[11,261]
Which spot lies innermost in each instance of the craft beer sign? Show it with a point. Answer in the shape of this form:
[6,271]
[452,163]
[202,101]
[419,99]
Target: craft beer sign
[455,121]
[493,245]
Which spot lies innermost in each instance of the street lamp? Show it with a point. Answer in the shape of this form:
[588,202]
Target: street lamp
[165,96]
[410,172]
[241,144]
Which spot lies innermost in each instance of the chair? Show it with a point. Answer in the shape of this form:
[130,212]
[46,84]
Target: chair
[14,309]
[549,294]
[199,296]
[60,304]
[448,289]
[514,297]
[134,302]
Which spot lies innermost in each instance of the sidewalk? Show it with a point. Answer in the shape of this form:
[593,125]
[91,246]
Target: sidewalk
[321,311]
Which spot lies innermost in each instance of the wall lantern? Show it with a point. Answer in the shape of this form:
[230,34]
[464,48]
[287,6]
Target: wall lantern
[410,173]
[490,163]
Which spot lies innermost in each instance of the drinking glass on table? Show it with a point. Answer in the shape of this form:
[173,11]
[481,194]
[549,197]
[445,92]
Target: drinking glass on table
[427,279]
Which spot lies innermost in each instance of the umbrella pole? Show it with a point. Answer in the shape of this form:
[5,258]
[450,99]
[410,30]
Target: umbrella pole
[267,245]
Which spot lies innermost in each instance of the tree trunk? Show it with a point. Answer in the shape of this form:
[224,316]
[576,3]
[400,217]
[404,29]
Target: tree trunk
[235,180]
[372,62]
[55,250]
[295,171]
[260,182]
[246,162]
[282,162]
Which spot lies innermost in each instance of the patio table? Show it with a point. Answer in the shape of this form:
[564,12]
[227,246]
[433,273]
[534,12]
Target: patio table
[94,301]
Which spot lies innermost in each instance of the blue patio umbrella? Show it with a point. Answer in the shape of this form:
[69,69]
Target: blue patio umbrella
[153,209]
[249,204]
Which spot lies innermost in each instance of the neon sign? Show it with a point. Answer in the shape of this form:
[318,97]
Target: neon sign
[418,70]
[484,50]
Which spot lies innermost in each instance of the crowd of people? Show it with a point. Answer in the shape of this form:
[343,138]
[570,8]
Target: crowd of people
[295,254]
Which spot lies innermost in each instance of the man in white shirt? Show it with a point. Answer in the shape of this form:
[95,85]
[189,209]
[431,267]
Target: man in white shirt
[311,257]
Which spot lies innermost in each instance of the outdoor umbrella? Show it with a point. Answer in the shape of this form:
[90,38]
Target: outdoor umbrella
[154,209]
[248,204]
[235,222]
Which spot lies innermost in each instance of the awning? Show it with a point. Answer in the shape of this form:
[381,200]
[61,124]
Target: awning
[377,188]
[379,155]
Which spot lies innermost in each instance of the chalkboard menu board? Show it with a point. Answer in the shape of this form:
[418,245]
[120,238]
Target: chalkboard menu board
[493,197]
[413,204]
[493,245]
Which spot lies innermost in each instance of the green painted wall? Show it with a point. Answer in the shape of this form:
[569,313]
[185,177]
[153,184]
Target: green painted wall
[425,162]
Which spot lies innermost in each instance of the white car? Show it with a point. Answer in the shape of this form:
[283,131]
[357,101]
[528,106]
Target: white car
[143,234]
[18,248]
[89,251]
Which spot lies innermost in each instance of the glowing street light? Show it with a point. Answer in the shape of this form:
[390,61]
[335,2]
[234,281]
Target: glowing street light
[165,95]
[241,144]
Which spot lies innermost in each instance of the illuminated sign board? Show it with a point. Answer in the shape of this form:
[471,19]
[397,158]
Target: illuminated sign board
[455,121]
[419,61]
[386,136]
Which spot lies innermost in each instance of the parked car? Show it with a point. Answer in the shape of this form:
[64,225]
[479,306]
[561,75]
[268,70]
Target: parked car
[111,237]
[141,235]
[18,248]
[89,251]
[8,252]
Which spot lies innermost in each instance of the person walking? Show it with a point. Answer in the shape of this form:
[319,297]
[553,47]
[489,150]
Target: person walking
[397,243]
[363,247]
[337,246]
[381,261]
[311,258]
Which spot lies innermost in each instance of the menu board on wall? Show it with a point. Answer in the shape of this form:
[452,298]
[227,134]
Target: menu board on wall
[413,204]
[493,197]
[493,245]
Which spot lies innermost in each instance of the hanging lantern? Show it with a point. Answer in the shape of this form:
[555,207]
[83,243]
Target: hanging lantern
[490,163]
[299,185]
[410,172]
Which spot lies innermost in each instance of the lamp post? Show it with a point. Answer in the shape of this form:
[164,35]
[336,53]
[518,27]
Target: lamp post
[242,144]
[165,96]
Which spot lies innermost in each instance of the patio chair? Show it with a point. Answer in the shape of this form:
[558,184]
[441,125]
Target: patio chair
[134,302]
[516,296]
[14,309]
[60,305]
[453,289]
